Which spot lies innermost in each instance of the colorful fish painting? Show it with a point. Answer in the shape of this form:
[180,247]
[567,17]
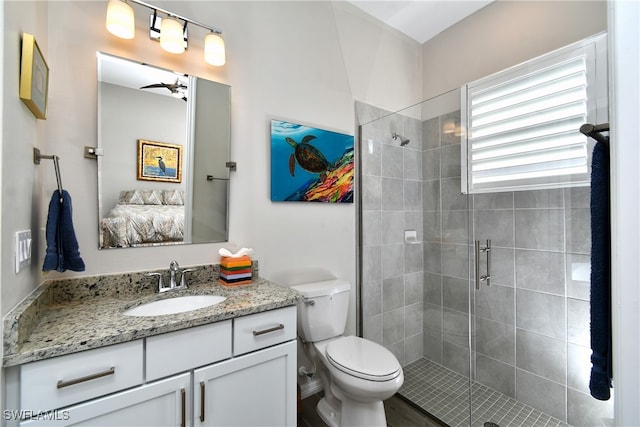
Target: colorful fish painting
[309,164]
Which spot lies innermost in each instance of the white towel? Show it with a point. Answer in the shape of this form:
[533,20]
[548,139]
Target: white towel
[242,252]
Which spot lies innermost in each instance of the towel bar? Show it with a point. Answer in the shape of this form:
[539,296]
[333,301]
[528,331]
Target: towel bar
[593,131]
[37,156]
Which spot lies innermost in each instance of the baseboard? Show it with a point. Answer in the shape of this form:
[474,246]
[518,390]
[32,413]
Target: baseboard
[309,387]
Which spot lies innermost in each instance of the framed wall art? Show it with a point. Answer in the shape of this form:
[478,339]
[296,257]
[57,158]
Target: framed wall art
[159,161]
[310,164]
[34,77]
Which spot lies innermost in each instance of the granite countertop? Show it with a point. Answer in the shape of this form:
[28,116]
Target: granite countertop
[68,316]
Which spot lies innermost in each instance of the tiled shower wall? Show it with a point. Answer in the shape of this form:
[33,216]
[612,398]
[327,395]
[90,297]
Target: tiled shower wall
[531,326]
[392,275]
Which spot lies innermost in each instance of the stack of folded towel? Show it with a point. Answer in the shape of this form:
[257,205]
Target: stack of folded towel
[235,269]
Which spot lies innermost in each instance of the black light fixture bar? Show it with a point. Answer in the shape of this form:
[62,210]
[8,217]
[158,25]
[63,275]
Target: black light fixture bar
[175,15]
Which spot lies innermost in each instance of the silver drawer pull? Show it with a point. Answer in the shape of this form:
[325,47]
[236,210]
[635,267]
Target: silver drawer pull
[62,384]
[266,331]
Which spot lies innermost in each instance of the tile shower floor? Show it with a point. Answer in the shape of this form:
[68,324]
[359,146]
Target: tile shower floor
[444,394]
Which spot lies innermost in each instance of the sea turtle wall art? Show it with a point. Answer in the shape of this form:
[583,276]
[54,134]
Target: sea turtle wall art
[310,164]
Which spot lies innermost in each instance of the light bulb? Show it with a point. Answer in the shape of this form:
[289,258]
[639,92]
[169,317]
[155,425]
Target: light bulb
[214,52]
[171,35]
[120,19]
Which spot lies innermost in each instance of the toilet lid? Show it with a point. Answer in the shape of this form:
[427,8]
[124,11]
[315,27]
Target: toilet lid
[363,359]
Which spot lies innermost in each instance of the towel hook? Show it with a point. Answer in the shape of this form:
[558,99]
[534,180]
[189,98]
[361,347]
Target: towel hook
[37,156]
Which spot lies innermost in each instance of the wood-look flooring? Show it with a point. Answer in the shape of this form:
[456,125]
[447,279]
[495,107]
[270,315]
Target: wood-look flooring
[399,414]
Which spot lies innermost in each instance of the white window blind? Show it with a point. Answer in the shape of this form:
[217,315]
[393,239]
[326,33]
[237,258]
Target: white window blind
[523,123]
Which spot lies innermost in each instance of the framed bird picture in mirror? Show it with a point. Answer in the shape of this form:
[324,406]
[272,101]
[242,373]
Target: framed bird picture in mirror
[159,161]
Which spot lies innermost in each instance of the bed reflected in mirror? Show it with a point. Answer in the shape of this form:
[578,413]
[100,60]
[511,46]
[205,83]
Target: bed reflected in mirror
[163,175]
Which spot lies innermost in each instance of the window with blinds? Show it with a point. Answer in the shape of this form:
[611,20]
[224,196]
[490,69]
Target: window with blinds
[523,123]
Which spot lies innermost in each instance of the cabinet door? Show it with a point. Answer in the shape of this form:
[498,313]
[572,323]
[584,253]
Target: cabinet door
[162,403]
[258,389]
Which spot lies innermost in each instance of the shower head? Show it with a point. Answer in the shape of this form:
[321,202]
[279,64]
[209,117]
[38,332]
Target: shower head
[403,141]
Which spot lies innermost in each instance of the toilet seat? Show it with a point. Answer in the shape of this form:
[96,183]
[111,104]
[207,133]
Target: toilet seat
[363,359]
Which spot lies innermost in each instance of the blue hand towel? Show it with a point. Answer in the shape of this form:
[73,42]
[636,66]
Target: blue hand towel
[601,371]
[62,246]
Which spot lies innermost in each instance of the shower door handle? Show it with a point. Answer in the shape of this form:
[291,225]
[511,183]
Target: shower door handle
[486,250]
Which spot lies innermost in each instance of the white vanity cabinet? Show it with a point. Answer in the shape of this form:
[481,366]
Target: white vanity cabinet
[258,386]
[235,372]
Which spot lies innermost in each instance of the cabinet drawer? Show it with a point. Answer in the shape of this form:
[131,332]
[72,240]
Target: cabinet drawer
[64,380]
[265,329]
[180,351]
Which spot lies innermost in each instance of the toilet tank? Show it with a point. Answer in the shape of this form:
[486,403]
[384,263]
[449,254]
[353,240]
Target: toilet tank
[323,312]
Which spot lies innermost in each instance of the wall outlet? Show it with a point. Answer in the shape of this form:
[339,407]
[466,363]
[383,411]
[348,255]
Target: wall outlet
[23,249]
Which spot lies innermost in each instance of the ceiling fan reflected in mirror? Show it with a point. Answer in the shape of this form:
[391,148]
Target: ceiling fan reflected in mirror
[177,89]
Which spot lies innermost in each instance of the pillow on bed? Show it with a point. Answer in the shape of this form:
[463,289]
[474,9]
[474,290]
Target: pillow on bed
[152,197]
[131,197]
[173,197]
[141,197]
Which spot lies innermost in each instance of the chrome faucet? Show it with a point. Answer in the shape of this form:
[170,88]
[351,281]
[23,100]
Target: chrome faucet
[174,271]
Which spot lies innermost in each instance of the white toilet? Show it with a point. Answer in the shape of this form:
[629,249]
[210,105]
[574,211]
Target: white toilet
[357,374]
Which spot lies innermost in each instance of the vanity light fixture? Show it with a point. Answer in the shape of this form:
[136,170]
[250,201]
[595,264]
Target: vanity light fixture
[214,49]
[171,35]
[171,30]
[120,19]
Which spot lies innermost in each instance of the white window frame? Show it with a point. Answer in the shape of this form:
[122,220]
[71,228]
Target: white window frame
[594,51]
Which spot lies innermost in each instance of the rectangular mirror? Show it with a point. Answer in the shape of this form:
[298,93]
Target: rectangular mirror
[163,176]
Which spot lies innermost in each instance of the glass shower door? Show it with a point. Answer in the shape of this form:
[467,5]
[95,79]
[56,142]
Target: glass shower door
[529,172]
[415,249]
[530,309]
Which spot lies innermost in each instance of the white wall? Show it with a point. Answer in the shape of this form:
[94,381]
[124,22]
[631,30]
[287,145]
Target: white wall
[624,68]
[503,34]
[2,250]
[383,67]
[21,131]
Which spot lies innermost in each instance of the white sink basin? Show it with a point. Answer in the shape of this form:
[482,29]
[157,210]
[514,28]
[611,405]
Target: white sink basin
[174,305]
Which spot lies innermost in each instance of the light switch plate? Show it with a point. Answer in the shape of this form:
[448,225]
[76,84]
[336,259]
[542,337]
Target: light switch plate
[23,249]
